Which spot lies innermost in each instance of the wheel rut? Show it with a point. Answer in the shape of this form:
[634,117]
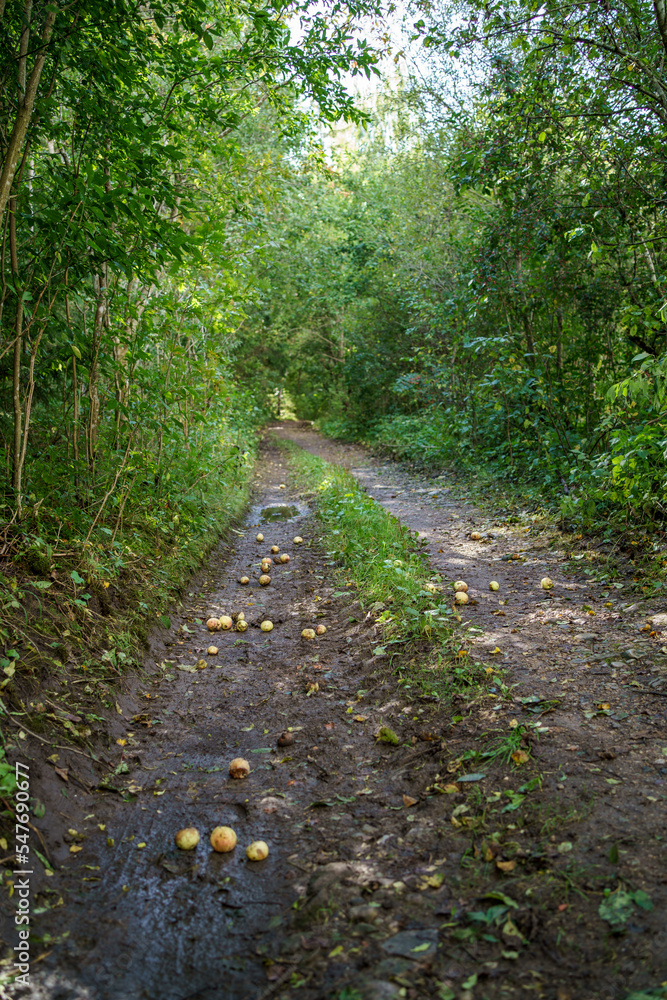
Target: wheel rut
[370,870]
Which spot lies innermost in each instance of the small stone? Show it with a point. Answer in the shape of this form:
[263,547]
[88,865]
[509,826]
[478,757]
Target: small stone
[379,989]
[410,944]
[366,913]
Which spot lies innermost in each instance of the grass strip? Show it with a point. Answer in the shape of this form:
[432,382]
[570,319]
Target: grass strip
[379,555]
[385,562]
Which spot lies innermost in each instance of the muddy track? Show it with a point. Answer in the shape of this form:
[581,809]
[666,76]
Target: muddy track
[362,892]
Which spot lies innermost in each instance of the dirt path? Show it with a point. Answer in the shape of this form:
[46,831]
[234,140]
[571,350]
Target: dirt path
[363,895]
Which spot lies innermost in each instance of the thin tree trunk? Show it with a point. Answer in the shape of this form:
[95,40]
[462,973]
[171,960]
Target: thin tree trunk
[75,428]
[22,74]
[18,348]
[24,116]
[660,8]
[509,436]
[75,387]
[94,373]
[28,403]
[528,327]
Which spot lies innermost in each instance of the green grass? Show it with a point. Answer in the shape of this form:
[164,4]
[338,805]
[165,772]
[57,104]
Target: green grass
[385,563]
[89,609]
[380,556]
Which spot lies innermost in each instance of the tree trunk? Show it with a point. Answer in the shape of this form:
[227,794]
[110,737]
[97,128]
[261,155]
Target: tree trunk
[18,349]
[660,8]
[528,328]
[24,116]
[94,373]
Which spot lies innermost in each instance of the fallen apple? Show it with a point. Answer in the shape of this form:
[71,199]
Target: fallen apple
[284,558]
[239,768]
[546,583]
[285,739]
[213,625]
[475,536]
[308,633]
[320,629]
[265,580]
[265,565]
[241,625]
[257,851]
[212,650]
[223,839]
[460,586]
[275,549]
[187,839]
[494,585]
[225,623]
[266,626]
[297,539]
[461,597]
[260,537]
[244,580]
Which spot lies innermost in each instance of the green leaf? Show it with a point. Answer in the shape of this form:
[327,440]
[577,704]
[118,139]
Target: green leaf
[616,909]
[643,900]
[387,735]
[47,864]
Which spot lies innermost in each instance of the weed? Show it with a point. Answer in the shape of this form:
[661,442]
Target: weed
[509,747]
[552,816]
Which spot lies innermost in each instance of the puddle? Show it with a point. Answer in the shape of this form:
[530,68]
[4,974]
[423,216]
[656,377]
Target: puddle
[279,512]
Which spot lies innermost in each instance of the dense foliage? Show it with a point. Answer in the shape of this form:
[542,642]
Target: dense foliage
[479,274]
[135,139]
[482,274]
